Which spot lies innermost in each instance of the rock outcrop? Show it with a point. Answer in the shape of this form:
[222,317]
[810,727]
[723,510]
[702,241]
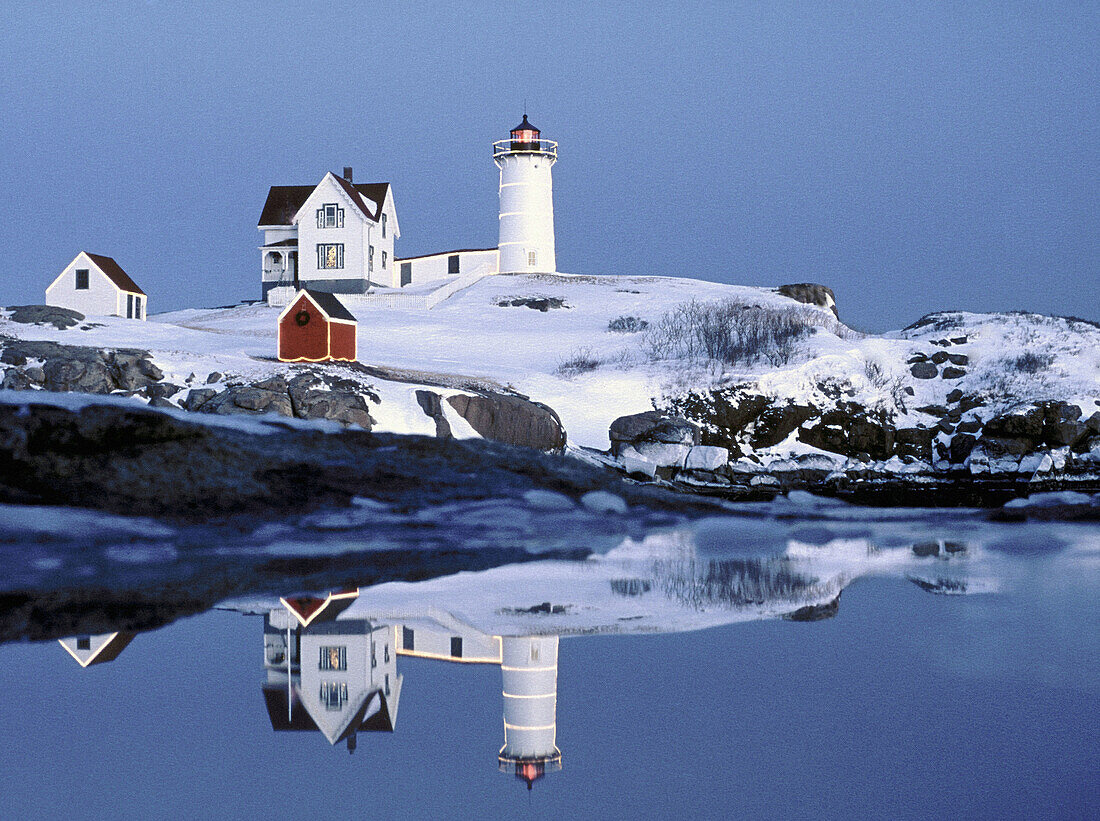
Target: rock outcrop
[512,420]
[811,294]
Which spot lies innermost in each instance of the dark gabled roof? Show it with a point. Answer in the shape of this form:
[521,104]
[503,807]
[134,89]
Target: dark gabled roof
[526,126]
[283,243]
[331,305]
[283,201]
[115,273]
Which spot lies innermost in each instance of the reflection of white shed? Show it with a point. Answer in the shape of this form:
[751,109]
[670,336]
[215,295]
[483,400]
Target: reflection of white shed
[96,285]
[89,650]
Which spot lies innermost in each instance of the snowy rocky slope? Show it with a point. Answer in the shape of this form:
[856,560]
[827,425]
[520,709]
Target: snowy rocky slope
[746,387]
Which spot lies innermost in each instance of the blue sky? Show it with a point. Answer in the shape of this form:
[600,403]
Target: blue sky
[912,156]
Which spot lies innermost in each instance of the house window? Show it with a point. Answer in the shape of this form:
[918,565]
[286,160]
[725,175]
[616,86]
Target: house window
[333,658]
[456,647]
[82,279]
[84,642]
[330,255]
[383,226]
[139,306]
[534,652]
[383,260]
[330,215]
[334,694]
[407,638]
[452,264]
[370,258]
[532,258]
[387,684]
[386,656]
[373,655]
[129,306]
[406,273]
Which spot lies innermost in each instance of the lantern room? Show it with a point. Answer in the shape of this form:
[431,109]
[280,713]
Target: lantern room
[525,137]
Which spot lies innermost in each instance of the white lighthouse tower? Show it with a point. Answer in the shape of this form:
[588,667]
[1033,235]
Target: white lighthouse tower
[529,669]
[526,201]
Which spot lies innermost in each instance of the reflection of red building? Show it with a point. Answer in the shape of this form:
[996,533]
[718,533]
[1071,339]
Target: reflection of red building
[316,327]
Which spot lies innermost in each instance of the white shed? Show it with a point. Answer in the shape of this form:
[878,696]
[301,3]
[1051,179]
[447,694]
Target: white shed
[96,285]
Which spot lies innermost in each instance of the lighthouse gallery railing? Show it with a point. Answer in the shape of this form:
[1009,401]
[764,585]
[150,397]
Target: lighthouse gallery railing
[525,147]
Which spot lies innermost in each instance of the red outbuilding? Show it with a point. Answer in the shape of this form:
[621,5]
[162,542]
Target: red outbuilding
[316,327]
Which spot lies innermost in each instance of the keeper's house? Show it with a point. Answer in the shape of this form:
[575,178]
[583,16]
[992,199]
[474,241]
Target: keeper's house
[316,327]
[96,285]
[335,236]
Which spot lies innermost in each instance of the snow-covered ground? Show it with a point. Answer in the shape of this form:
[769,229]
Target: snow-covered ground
[472,335]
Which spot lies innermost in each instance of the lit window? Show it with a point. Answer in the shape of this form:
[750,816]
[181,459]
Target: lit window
[82,279]
[532,258]
[333,658]
[330,215]
[334,694]
[330,255]
[383,226]
[452,264]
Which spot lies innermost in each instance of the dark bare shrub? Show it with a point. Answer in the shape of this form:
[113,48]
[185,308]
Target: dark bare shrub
[627,325]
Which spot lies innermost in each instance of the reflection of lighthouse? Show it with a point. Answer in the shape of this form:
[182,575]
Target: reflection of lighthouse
[526,201]
[529,669]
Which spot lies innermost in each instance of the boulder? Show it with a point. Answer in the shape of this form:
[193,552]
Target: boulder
[969,426]
[161,390]
[924,370]
[811,294]
[850,429]
[213,377]
[133,370]
[1062,424]
[652,426]
[778,422]
[1027,424]
[662,454]
[706,457]
[951,372]
[313,397]
[958,359]
[431,403]
[915,442]
[938,411]
[939,357]
[79,376]
[248,399]
[60,318]
[512,420]
[197,397]
[961,446]
[953,396]
[1001,446]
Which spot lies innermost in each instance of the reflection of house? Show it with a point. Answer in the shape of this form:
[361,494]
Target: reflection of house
[89,650]
[338,677]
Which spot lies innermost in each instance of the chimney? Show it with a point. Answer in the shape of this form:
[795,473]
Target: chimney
[347,173]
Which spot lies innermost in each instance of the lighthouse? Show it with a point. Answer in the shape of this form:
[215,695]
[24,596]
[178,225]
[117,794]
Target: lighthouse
[526,242]
[529,669]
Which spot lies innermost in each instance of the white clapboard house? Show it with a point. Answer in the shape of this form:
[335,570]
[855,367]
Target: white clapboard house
[96,285]
[335,236]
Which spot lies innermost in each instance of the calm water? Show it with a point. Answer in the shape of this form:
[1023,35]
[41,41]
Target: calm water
[904,705]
